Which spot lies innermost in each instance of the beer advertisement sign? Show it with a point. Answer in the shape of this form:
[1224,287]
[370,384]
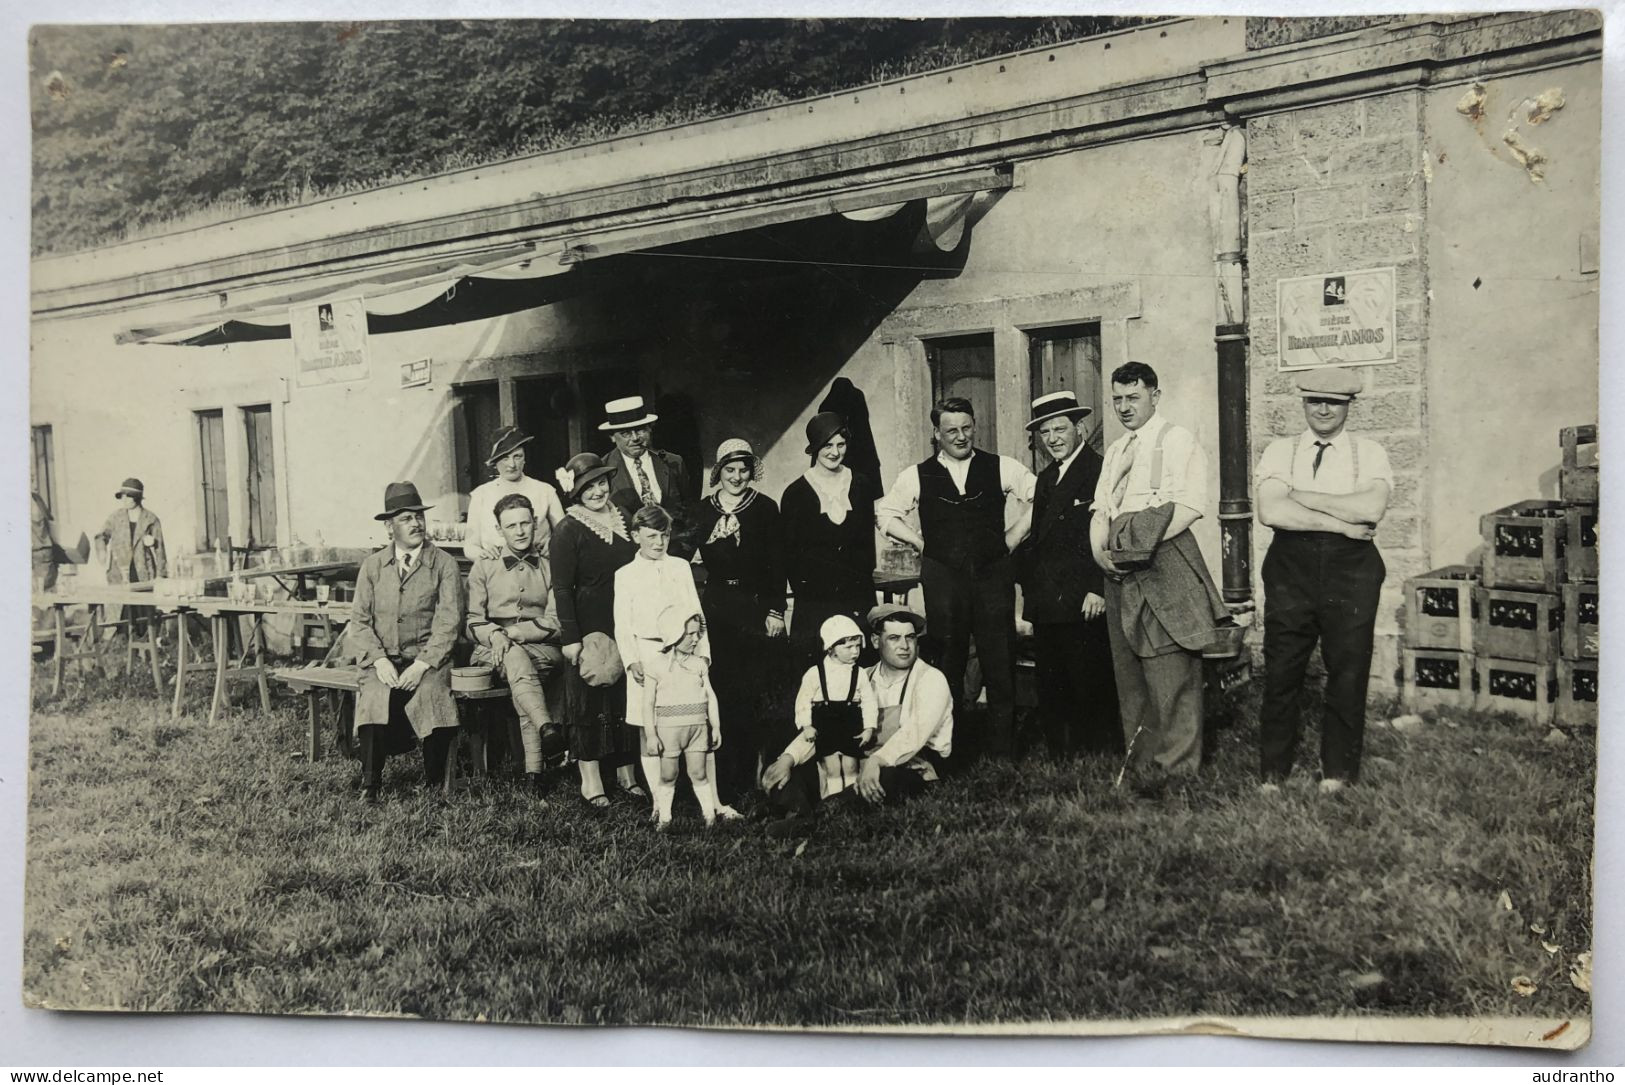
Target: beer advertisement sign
[329,341]
[1342,318]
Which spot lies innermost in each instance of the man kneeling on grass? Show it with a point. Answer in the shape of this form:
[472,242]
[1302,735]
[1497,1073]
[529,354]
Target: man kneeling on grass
[915,739]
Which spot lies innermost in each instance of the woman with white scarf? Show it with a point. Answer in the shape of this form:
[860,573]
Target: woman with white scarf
[739,544]
[827,520]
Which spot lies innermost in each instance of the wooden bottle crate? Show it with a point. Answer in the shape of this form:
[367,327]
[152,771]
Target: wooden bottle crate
[1430,678]
[1577,692]
[1580,604]
[1580,543]
[1577,478]
[1516,686]
[1523,546]
[1519,625]
[1440,609]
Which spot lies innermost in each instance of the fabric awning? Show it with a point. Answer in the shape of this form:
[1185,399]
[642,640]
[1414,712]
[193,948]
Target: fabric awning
[418,295]
[454,289]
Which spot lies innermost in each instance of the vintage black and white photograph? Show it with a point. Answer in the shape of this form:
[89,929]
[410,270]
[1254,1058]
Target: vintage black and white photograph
[1054,524]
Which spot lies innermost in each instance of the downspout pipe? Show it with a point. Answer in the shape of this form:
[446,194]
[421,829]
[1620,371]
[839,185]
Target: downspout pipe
[1230,342]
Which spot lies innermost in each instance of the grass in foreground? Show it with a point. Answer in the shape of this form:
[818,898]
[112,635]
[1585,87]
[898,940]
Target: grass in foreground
[182,867]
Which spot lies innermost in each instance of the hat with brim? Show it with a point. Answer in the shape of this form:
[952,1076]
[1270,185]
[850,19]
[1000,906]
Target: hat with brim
[582,468]
[672,625]
[735,450]
[131,486]
[627,413]
[893,612]
[401,497]
[836,628]
[1057,405]
[508,439]
[1330,382]
[821,430]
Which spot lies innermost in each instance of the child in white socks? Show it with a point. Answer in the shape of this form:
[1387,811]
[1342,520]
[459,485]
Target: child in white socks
[680,714]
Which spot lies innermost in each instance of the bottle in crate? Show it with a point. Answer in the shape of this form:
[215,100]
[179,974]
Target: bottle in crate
[1433,678]
[1517,686]
[1577,478]
[1580,638]
[1577,692]
[1580,543]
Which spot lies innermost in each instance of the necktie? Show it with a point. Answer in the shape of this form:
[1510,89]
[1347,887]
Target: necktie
[645,491]
[406,566]
[1320,451]
[1125,463]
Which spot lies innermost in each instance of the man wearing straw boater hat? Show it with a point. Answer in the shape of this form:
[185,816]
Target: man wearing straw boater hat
[484,537]
[645,475]
[1063,590]
[1323,492]
[403,624]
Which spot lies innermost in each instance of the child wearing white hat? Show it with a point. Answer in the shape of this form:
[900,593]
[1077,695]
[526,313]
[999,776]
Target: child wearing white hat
[836,710]
[680,713]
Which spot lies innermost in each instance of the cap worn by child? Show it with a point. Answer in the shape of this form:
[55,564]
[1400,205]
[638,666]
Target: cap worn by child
[836,629]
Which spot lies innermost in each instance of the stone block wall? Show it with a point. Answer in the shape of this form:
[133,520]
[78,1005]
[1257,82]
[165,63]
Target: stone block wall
[1337,188]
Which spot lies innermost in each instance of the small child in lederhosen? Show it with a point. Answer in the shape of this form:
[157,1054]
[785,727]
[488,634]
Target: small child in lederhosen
[680,713]
[836,718]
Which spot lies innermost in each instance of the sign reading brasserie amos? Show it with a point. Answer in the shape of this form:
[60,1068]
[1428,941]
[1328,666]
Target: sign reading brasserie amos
[1343,318]
[329,341]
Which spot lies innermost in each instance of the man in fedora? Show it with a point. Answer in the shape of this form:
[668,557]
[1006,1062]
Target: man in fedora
[644,475]
[403,624]
[1323,492]
[965,545]
[914,739]
[1063,590]
[484,538]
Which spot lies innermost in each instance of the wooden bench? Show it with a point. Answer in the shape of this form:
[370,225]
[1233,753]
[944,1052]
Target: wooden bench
[318,682]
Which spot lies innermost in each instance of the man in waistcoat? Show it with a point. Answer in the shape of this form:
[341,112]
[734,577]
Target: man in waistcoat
[645,475]
[1323,492]
[966,570]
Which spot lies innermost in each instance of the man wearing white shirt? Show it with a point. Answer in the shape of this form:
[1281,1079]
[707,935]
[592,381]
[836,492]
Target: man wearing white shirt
[645,475]
[1160,614]
[483,537]
[965,566]
[916,731]
[1323,492]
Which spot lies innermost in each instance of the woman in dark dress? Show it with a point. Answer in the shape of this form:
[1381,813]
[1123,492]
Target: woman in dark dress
[738,543]
[827,517]
[587,547]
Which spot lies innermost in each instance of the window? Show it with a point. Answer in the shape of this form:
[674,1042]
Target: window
[1067,359]
[962,366]
[261,476]
[213,525]
[44,471]
[479,416]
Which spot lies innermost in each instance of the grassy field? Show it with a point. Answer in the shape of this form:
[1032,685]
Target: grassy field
[175,866]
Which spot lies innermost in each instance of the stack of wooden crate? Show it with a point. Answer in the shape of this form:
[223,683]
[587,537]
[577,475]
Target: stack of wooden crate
[1518,634]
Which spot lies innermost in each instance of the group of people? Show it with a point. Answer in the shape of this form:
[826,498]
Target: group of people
[590,609]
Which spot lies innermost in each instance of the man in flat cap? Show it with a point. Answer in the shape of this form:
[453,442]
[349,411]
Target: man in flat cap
[645,475]
[1323,492]
[484,537]
[403,624]
[914,739]
[1063,591]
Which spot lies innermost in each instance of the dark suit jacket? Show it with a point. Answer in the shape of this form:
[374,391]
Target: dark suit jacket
[674,498]
[1058,567]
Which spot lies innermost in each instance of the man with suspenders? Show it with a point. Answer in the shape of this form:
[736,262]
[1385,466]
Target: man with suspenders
[1161,603]
[1323,492]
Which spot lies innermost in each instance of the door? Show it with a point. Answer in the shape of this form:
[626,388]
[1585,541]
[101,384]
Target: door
[543,408]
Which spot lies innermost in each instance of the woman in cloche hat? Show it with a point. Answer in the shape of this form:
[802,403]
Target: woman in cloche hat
[133,538]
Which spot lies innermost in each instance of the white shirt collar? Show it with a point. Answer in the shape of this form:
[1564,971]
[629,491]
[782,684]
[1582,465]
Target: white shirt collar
[1340,442]
[1068,461]
[416,553]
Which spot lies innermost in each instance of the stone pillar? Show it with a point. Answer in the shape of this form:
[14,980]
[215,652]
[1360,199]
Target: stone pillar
[1342,187]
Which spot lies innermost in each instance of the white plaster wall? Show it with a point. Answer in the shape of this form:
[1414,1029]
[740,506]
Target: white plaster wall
[1514,359]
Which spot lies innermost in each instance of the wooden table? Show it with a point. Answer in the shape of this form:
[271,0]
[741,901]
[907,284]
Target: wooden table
[251,665]
[298,573]
[92,643]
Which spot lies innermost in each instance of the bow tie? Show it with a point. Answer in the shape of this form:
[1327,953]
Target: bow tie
[530,558]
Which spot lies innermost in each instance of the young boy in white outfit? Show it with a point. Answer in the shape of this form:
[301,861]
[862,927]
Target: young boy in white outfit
[644,588]
[681,720]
